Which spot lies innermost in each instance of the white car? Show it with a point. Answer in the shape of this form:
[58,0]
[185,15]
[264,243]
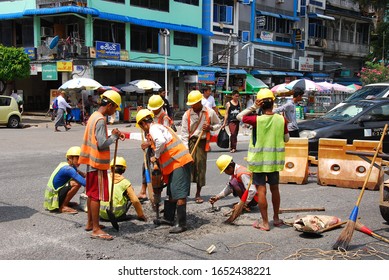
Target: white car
[9,112]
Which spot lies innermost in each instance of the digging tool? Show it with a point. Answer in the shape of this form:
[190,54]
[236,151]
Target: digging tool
[147,175]
[156,177]
[362,228]
[348,231]
[110,213]
[292,210]
[239,207]
[197,143]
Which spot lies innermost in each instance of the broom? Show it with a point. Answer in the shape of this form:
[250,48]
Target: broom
[362,228]
[348,231]
[197,143]
[147,176]
[239,207]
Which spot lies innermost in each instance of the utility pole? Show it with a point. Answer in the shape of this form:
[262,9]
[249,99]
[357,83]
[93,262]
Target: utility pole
[228,61]
[166,36]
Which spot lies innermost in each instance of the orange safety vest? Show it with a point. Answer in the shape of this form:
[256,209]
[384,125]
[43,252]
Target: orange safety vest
[207,135]
[90,153]
[164,116]
[239,172]
[174,155]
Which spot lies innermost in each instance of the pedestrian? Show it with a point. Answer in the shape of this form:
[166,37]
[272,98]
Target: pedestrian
[64,183]
[96,155]
[123,194]
[240,180]
[289,112]
[155,104]
[233,108]
[62,106]
[166,106]
[209,100]
[266,153]
[174,160]
[196,121]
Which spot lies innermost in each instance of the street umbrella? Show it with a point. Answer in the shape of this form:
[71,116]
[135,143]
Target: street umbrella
[132,88]
[105,88]
[80,84]
[146,84]
[354,87]
[304,84]
[279,89]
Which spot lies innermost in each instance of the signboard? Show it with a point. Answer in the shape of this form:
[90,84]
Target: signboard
[107,50]
[49,72]
[53,94]
[64,66]
[206,77]
[33,69]
[306,64]
[31,53]
[190,79]
[124,55]
[220,82]
[266,36]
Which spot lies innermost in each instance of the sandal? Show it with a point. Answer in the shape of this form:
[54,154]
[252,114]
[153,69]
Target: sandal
[199,200]
[260,226]
[102,236]
[278,223]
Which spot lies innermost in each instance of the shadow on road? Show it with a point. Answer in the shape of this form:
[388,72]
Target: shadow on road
[11,213]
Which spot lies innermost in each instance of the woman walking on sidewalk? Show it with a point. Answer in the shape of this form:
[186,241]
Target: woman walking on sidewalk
[233,108]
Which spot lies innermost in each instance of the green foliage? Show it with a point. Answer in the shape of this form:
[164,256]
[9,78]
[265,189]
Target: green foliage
[14,64]
[374,73]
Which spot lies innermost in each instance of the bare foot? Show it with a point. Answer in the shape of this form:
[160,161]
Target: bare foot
[261,226]
[67,210]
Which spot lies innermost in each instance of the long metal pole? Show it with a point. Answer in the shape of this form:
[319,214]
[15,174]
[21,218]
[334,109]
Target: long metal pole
[166,33]
[228,62]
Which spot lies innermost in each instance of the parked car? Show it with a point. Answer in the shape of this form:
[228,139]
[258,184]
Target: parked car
[362,119]
[371,91]
[9,112]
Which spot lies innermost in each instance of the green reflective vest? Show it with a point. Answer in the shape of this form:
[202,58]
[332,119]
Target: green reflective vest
[51,195]
[119,199]
[268,153]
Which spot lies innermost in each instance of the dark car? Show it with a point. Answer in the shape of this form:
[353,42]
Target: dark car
[363,120]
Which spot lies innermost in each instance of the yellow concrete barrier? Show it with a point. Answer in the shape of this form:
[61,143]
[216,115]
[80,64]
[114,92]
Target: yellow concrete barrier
[296,162]
[336,168]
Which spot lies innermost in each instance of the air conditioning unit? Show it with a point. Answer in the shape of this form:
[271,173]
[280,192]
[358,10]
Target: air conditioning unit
[280,1]
[312,41]
[311,9]
[47,31]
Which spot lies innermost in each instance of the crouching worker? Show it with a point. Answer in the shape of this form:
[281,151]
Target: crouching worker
[123,195]
[239,181]
[64,183]
[175,163]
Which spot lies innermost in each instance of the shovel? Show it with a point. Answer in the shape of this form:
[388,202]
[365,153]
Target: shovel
[110,213]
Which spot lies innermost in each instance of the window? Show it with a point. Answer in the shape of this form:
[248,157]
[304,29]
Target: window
[190,2]
[223,11]
[185,39]
[160,5]
[5,101]
[109,32]
[116,1]
[144,39]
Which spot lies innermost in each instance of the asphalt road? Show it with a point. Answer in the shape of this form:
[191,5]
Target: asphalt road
[29,155]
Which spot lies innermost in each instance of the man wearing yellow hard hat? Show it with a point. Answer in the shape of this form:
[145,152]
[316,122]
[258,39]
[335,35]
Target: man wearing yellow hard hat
[64,183]
[95,154]
[266,153]
[239,181]
[174,159]
[155,105]
[123,194]
[197,122]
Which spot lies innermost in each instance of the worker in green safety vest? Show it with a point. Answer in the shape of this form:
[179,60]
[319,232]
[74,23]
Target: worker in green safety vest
[266,153]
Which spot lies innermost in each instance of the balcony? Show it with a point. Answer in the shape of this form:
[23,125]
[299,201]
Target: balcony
[59,3]
[346,48]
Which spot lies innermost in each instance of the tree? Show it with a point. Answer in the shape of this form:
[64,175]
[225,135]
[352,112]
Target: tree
[14,64]
[374,73]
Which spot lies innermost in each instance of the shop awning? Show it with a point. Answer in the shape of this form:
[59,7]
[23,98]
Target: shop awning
[319,75]
[314,15]
[269,14]
[127,64]
[253,84]
[61,10]
[235,71]
[198,68]
[261,72]
[295,74]
[11,16]
[278,73]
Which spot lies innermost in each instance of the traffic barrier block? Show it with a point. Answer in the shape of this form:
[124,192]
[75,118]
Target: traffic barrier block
[296,162]
[336,168]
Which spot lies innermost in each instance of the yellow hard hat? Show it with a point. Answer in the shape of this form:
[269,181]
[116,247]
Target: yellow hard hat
[114,96]
[119,161]
[222,162]
[142,114]
[155,102]
[264,93]
[73,151]
[193,97]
